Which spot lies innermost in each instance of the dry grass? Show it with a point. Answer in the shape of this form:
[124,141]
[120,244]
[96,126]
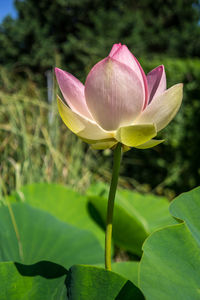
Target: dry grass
[35,145]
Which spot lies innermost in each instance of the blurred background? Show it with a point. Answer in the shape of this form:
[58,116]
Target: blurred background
[36,36]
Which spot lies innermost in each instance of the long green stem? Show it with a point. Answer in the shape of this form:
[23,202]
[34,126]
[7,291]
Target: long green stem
[110,207]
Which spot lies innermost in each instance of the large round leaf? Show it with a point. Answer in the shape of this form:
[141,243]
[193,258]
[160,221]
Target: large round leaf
[15,286]
[170,267]
[135,215]
[87,282]
[62,202]
[44,237]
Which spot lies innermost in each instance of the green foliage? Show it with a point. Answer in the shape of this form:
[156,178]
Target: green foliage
[127,269]
[134,214]
[57,200]
[47,240]
[174,164]
[172,254]
[44,151]
[40,248]
[82,29]
[16,286]
[29,235]
[86,282]
[35,145]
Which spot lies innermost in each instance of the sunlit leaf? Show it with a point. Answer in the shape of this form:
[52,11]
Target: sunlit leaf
[39,236]
[87,282]
[135,215]
[170,266]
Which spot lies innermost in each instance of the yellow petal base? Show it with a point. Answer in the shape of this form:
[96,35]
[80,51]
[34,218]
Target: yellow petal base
[135,135]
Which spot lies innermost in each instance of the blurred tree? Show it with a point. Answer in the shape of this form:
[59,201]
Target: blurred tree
[173,165]
[82,31]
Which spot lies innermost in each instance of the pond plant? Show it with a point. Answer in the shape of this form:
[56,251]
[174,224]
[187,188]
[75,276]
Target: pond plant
[56,243]
[119,107]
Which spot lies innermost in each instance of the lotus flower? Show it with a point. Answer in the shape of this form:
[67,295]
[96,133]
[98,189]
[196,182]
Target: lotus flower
[118,103]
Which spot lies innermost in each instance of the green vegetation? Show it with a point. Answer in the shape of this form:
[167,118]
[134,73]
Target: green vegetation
[47,228]
[35,145]
[41,234]
[171,255]
[174,164]
[82,31]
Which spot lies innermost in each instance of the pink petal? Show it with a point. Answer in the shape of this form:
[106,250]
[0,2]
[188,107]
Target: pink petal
[163,108]
[123,55]
[87,130]
[114,94]
[115,47]
[156,80]
[73,92]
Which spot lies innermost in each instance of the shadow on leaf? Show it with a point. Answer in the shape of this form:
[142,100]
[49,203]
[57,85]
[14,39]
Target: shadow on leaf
[45,269]
[94,213]
[128,291]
